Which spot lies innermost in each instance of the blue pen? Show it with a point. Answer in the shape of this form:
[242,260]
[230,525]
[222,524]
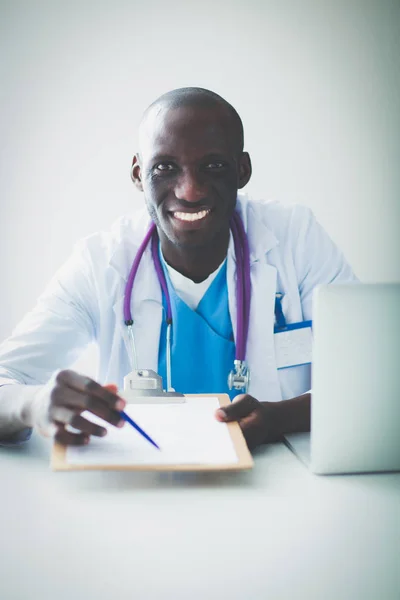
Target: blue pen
[139,429]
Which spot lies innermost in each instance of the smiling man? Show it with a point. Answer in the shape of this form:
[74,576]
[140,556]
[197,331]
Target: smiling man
[231,274]
[190,167]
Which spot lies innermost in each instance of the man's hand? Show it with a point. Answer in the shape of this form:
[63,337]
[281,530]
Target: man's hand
[266,422]
[70,396]
[256,419]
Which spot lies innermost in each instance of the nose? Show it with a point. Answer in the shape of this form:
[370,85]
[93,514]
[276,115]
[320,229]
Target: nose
[189,188]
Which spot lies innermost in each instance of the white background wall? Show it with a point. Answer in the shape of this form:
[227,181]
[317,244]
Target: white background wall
[316,82]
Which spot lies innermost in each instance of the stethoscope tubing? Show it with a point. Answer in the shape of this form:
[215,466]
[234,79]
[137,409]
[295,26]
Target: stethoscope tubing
[243,289]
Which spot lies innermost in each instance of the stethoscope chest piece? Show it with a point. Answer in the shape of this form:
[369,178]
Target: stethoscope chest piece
[239,379]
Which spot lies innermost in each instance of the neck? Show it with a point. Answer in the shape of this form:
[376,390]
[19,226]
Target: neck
[199,262]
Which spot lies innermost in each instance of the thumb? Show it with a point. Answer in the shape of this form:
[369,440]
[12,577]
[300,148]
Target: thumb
[241,407]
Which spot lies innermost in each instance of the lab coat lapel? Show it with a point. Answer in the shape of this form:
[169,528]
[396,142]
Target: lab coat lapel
[260,356]
[260,352]
[146,305]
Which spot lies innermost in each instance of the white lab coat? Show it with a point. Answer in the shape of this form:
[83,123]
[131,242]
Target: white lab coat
[289,253]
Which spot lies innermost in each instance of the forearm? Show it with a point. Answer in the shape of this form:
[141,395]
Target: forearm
[294,415]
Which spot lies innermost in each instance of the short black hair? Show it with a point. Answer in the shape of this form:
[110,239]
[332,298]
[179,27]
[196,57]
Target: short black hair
[202,98]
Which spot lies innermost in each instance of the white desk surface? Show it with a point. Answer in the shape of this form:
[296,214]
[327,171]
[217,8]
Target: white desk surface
[276,532]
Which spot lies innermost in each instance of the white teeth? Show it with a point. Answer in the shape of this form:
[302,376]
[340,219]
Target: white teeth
[184,216]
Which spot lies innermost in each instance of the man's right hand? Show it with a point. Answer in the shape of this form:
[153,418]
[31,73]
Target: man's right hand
[71,394]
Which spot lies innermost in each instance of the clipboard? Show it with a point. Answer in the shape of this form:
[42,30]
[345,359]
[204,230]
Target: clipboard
[244,458]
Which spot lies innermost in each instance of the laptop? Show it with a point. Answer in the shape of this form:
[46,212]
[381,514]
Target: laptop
[355,415]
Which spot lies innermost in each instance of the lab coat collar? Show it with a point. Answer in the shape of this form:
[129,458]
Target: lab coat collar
[261,239]
[129,233]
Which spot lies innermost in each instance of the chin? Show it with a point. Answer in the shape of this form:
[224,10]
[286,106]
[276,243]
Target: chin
[191,240]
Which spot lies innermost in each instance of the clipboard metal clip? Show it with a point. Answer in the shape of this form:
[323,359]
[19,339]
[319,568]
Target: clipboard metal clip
[144,386]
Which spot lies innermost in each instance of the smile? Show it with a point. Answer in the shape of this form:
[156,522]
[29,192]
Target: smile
[186,216]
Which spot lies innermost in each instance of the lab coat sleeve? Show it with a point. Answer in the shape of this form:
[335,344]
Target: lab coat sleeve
[59,327]
[317,259]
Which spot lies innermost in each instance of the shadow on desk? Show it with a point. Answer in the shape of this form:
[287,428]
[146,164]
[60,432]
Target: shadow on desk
[162,480]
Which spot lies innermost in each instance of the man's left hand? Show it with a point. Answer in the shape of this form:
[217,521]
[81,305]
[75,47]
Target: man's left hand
[256,419]
[265,422]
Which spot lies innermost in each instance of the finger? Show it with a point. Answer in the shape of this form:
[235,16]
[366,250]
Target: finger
[242,406]
[253,429]
[67,438]
[67,398]
[86,426]
[111,387]
[88,386]
[69,417]
[221,414]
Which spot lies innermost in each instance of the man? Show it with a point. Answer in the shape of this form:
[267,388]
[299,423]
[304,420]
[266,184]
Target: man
[190,167]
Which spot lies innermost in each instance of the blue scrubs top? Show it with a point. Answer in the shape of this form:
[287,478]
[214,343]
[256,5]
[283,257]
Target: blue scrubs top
[203,347]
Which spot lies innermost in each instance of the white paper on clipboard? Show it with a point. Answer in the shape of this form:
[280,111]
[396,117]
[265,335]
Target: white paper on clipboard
[187,433]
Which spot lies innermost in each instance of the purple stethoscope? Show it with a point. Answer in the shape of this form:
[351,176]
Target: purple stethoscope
[239,377]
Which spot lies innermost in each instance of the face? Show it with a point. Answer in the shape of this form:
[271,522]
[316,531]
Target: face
[189,168]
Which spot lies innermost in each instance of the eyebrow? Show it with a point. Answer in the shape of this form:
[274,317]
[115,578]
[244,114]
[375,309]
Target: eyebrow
[161,157]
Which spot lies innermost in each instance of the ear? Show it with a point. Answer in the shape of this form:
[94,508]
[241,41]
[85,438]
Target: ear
[136,175]
[244,170]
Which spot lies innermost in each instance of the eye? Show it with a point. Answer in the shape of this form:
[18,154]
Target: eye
[215,166]
[164,167]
